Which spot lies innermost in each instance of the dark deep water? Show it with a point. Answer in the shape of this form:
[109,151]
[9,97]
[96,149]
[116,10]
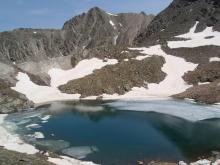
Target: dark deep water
[111,136]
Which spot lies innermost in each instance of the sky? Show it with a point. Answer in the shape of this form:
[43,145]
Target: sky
[53,13]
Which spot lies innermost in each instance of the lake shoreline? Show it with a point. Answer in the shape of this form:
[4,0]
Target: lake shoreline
[23,143]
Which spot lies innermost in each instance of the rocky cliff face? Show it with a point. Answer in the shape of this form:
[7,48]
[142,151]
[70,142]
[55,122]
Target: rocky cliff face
[178,18]
[12,101]
[89,30]
[98,28]
[35,51]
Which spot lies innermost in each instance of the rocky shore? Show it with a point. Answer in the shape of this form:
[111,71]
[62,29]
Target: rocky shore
[14,158]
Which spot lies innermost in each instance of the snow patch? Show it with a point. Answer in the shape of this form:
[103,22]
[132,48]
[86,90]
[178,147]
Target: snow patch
[12,141]
[112,23]
[201,162]
[111,14]
[115,40]
[64,160]
[41,94]
[124,51]
[212,59]
[83,68]
[174,67]
[203,83]
[197,39]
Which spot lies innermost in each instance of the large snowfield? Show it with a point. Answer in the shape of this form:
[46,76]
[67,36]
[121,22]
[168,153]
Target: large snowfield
[42,94]
[174,67]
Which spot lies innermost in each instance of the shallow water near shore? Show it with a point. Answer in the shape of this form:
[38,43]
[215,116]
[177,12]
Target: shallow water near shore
[121,132]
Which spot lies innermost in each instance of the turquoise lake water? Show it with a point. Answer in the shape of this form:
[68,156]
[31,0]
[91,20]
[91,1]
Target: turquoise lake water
[111,134]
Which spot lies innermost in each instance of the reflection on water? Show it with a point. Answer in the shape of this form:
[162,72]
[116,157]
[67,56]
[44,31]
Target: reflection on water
[105,132]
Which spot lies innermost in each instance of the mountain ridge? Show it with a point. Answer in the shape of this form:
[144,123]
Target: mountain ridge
[178,18]
[88,30]
[87,43]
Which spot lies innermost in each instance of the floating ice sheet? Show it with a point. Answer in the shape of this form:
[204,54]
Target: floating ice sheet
[186,110]
[80,152]
[53,145]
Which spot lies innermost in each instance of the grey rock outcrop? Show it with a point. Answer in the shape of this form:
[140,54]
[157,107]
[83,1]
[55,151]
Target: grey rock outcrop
[178,18]
[12,101]
[119,78]
[89,30]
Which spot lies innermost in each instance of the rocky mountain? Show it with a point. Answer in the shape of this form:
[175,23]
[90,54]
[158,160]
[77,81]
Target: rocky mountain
[178,18]
[98,28]
[92,34]
[89,56]
[195,19]
[89,30]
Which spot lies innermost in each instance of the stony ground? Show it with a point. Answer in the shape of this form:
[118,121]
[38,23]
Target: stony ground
[201,92]
[203,73]
[198,55]
[119,78]
[15,158]
[12,101]
[206,93]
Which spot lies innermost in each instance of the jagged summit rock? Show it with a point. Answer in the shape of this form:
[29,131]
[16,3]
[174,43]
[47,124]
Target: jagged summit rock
[97,27]
[86,31]
[179,17]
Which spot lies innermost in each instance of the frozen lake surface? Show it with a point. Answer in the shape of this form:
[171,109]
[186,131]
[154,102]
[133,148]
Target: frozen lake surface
[121,132]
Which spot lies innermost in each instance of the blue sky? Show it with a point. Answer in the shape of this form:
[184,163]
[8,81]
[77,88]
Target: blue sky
[53,13]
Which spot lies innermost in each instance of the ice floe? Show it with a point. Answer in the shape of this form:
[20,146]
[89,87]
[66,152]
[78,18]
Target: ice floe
[11,141]
[185,110]
[45,118]
[37,135]
[84,108]
[33,126]
[80,152]
[53,145]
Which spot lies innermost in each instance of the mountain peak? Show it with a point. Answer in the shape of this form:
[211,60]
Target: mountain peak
[96,10]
